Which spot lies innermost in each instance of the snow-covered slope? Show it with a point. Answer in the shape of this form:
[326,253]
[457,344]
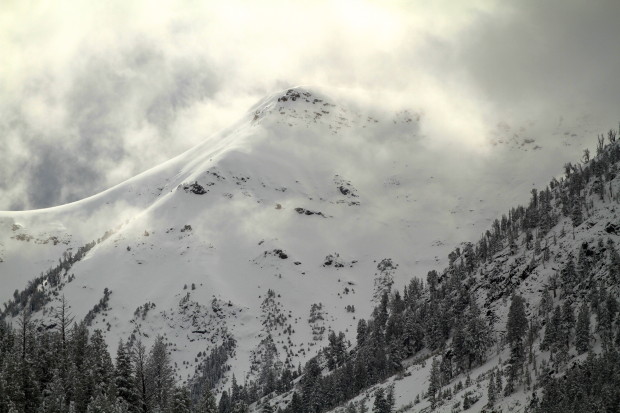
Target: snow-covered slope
[306,209]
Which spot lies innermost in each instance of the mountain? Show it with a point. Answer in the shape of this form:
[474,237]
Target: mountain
[292,223]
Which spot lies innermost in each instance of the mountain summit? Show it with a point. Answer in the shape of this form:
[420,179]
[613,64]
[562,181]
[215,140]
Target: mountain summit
[291,224]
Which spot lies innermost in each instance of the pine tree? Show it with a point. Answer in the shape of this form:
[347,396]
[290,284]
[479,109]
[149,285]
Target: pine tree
[63,318]
[207,402]
[99,362]
[516,327]
[381,404]
[576,214]
[492,390]
[434,386]
[160,374]
[180,401]
[224,405]
[477,337]
[568,322]
[389,399]
[100,404]
[445,368]
[242,407]
[459,349]
[296,404]
[552,331]
[499,385]
[267,408]
[79,376]
[142,384]
[361,332]
[54,396]
[123,375]
[606,313]
[546,303]
[582,330]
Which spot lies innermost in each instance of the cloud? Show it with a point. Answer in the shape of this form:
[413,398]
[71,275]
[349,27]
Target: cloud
[545,54]
[96,93]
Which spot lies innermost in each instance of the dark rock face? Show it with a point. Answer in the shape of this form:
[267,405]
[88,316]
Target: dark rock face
[195,188]
[612,228]
[290,94]
[277,253]
[386,264]
[303,211]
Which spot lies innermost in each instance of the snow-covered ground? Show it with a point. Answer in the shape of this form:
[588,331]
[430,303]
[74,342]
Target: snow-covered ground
[233,236]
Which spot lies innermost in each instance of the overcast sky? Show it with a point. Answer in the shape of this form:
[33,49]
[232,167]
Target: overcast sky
[92,94]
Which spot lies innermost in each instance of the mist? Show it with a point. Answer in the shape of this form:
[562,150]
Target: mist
[95,94]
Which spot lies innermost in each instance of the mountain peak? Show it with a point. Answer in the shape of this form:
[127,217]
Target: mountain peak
[292,101]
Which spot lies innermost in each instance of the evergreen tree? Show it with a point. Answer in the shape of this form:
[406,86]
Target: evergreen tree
[99,363]
[100,404]
[296,403]
[80,374]
[459,350]
[582,330]
[516,327]
[160,374]
[267,408]
[546,303]
[123,375]
[552,331]
[434,386]
[207,402]
[492,390]
[390,401]
[576,213]
[143,386]
[499,385]
[445,369]
[224,405]
[568,322]
[361,332]
[477,337]
[381,405]
[606,313]
[54,396]
[180,401]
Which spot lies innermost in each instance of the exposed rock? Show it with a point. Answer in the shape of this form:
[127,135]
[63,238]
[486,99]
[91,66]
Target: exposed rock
[277,253]
[303,211]
[612,228]
[195,188]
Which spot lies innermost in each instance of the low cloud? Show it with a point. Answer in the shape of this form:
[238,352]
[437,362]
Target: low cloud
[95,94]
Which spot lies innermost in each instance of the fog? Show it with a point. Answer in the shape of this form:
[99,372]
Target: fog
[92,94]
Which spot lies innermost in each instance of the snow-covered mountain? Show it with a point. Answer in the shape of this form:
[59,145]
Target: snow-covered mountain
[288,224]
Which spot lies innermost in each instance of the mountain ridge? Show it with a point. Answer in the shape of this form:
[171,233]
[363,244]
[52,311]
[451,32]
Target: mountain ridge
[251,234]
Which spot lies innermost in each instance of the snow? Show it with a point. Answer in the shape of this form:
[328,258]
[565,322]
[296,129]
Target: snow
[405,197]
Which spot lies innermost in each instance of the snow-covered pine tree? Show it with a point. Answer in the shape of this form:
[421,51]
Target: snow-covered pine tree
[207,402]
[516,326]
[143,386]
[224,404]
[434,386]
[123,375]
[181,402]
[492,390]
[160,374]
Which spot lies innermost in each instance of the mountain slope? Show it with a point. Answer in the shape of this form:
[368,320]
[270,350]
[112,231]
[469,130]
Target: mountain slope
[559,257]
[305,209]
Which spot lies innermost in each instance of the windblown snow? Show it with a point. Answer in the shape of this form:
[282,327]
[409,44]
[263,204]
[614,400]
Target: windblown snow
[290,223]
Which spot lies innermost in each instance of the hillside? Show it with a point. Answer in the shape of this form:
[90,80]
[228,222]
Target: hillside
[296,222]
[557,260]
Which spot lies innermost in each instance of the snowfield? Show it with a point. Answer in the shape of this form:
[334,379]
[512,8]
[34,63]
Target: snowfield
[296,205]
